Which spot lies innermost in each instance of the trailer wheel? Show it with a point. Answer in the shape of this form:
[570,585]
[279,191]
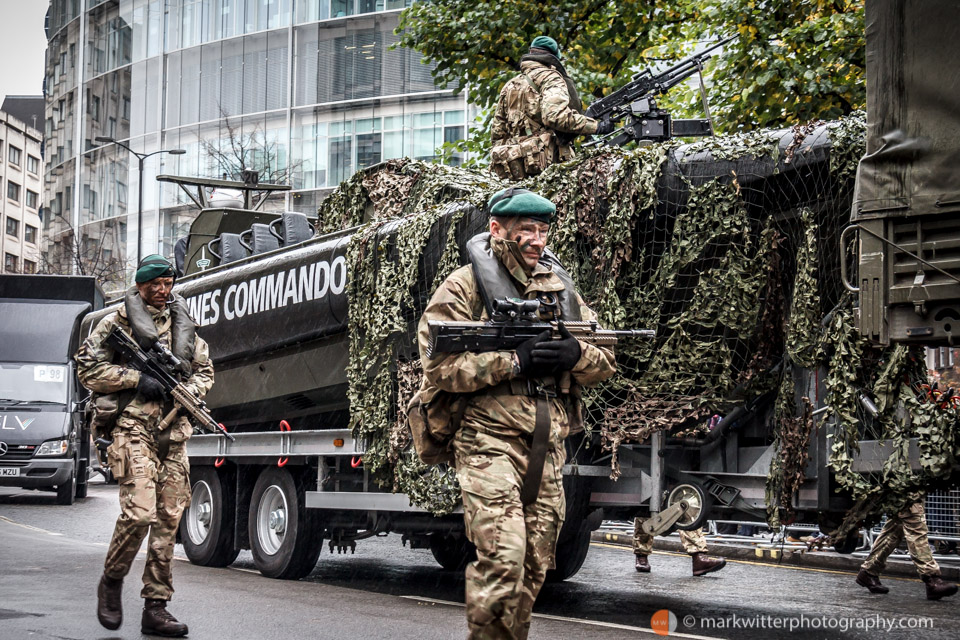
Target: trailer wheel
[285,537]
[206,528]
[453,553]
[849,544]
[570,555]
[698,505]
[67,492]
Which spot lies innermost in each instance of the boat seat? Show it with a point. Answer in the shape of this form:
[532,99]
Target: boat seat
[292,228]
[231,248]
[259,239]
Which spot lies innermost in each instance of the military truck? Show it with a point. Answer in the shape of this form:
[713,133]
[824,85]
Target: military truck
[44,442]
[905,220]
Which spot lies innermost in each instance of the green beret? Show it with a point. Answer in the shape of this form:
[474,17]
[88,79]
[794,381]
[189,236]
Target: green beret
[520,203]
[153,266]
[546,42]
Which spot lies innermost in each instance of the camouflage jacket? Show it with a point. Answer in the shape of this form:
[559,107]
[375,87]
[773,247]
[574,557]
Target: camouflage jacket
[535,101]
[458,299]
[98,373]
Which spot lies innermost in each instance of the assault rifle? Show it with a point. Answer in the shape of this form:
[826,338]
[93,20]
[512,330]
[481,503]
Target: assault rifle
[636,101]
[158,363]
[514,322]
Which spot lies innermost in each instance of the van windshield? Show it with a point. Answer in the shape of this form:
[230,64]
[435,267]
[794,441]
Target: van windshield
[26,383]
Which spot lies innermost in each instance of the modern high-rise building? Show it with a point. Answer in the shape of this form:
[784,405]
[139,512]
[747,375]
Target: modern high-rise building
[305,91]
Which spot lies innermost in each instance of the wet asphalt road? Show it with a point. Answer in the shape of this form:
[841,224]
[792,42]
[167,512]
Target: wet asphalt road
[51,557]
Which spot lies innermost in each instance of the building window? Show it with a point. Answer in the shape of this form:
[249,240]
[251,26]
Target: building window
[13,155]
[13,227]
[9,263]
[33,199]
[29,266]
[30,234]
[13,191]
[33,165]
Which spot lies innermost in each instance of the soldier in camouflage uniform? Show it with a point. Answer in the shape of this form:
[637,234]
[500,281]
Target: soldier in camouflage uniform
[911,524]
[151,467]
[693,543]
[510,393]
[538,115]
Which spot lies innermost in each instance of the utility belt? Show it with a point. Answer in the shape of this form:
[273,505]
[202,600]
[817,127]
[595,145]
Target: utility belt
[518,158]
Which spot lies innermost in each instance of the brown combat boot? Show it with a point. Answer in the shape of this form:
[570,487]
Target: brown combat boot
[937,588]
[109,607]
[871,582]
[704,564]
[157,621]
[642,565]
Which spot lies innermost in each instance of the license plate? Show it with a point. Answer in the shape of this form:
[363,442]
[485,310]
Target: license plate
[9,472]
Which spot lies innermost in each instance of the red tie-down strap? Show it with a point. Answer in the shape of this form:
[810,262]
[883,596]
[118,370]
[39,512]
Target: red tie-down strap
[219,461]
[284,426]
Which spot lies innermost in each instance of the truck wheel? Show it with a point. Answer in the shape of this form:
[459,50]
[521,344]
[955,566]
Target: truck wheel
[206,528]
[453,553]
[67,491]
[849,544]
[570,555]
[285,537]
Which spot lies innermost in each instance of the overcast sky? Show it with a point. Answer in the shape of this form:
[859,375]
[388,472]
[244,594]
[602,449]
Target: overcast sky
[22,46]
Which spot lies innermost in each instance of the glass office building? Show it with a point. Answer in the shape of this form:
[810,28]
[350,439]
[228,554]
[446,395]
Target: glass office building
[305,91]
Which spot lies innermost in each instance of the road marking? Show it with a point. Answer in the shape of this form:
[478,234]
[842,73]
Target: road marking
[594,623]
[31,528]
[756,564]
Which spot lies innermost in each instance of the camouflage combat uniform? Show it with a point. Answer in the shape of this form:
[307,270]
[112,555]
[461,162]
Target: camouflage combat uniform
[532,108]
[515,544]
[153,492]
[912,525]
[692,541]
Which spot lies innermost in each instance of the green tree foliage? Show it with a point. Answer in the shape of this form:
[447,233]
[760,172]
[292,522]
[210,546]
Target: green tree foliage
[794,60]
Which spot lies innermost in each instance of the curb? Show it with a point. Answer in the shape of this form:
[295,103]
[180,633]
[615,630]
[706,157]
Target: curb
[786,557]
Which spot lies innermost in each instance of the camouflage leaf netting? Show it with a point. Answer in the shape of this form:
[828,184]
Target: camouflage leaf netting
[727,247]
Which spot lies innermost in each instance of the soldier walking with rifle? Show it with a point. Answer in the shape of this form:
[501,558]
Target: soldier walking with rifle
[538,116]
[521,402]
[148,453]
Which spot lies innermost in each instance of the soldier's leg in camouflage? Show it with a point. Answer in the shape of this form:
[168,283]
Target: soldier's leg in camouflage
[915,531]
[137,511]
[696,545]
[490,486]
[890,536]
[642,546]
[173,496]
[543,520]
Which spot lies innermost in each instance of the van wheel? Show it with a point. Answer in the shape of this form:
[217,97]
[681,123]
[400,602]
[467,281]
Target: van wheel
[206,528]
[67,491]
[285,536]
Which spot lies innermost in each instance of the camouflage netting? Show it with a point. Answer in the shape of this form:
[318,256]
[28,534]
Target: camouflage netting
[727,247]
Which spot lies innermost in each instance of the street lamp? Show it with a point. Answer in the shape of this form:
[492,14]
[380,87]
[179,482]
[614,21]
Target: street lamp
[140,157]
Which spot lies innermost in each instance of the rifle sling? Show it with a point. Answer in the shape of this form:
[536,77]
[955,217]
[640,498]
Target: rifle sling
[530,488]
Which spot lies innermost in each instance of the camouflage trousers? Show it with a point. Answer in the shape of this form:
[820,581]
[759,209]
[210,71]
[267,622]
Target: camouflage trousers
[912,525]
[515,544]
[692,541]
[153,495]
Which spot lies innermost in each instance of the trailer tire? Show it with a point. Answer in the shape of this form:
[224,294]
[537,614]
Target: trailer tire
[206,527]
[452,552]
[701,500]
[285,536]
[570,555]
[849,544]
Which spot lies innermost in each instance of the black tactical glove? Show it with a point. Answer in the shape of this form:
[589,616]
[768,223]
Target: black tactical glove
[557,355]
[528,368]
[150,388]
[604,127]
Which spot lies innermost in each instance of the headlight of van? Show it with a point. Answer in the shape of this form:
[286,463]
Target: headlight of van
[53,448]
